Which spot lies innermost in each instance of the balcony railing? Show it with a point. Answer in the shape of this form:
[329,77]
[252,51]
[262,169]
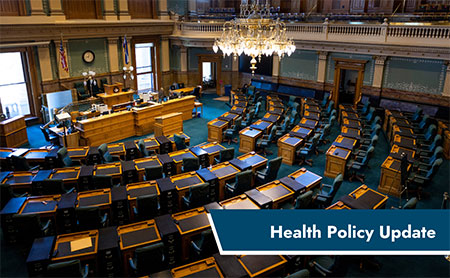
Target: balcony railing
[420,35]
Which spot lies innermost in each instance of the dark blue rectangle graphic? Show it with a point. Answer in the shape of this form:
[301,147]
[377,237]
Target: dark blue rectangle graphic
[332,231]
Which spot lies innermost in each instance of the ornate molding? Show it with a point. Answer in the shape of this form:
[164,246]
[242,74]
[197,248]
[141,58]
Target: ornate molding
[323,55]
[380,60]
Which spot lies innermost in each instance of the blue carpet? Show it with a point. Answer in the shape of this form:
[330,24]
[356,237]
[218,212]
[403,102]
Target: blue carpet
[12,259]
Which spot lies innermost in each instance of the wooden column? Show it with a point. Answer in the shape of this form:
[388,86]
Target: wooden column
[276,66]
[62,73]
[113,54]
[192,7]
[37,8]
[110,13]
[378,71]
[235,83]
[183,76]
[163,13]
[446,91]
[56,10]
[45,62]
[123,10]
[165,63]
[321,69]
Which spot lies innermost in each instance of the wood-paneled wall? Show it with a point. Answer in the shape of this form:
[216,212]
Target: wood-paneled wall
[12,8]
[83,9]
[142,8]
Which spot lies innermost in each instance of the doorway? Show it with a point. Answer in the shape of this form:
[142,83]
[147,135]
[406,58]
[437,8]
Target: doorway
[347,86]
[213,68]
[348,80]
[209,76]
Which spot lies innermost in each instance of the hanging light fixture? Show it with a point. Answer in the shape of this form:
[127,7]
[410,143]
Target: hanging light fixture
[254,33]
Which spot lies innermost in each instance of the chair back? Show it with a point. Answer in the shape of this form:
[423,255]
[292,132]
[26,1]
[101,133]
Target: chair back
[198,195]
[376,121]
[243,181]
[437,154]
[330,107]
[368,156]
[304,200]
[45,133]
[191,164]
[325,99]
[63,156]
[102,181]
[374,140]
[257,108]
[411,204]
[423,123]
[28,226]
[142,148]
[365,108]
[196,92]
[251,90]
[325,132]
[65,269]
[272,133]
[332,120]
[431,131]
[370,114]
[149,259]
[434,168]
[147,206]
[179,142]
[153,172]
[337,183]
[104,152]
[273,166]
[53,186]
[295,106]
[415,117]
[436,142]
[89,218]
[376,130]
[207,243]
[6,194]
[226,154]
[19,163]
[314,141]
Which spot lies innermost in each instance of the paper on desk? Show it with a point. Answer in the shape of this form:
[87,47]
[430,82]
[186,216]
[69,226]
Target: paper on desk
[79,244]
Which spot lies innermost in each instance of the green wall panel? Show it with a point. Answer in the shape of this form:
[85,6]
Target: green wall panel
[175,55]
[301,64]
[193,58]
[368,70]
[414,75]
[76,48]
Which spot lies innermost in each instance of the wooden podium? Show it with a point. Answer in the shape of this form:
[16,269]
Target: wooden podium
[169,124]
[13,132]
[109,89]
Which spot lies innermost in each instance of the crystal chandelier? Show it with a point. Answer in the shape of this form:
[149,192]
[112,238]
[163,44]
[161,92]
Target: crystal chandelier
[254,33]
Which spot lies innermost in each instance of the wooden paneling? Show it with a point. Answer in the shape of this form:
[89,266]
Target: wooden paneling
[83,9]
[12,7]
[142,8]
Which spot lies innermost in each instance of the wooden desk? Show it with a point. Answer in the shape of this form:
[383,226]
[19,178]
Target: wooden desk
[276,110]
[36,156]
[390,180]
[203,268]
[95,198]
[138,189]
[406,142]
[287,145]
[213,149]
[68,175]
[308,123]
[338,205]
[345,142]
[336,161]
[247,139]
[64,250]
[183,91]
[346,108]
[402,131]
[183,105]
[136,235]
[263,266]
[45,206]
[370,198]
[349,115]
[73,139]
[178,156]
[351,123]
[151,144]
[315,116]
[228,117]
[351,133]
[168,124]
[79,153]
[278,192]
[271,118]
[117,149]
[13,132]
[20,182]
[183,182]
[215,130]
[144,118]
[106,128]
[307,179]
[396,152]
[239,202]
[190,223]
[224,172]
[256,161]
[301,132]
[238,110]
[262,125]
[116,98]
[142,163]
[110,169]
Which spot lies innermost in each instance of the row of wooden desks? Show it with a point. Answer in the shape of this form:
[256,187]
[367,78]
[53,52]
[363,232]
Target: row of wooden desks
[362,197]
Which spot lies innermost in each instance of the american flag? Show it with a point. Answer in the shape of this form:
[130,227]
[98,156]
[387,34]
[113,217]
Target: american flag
[62,55]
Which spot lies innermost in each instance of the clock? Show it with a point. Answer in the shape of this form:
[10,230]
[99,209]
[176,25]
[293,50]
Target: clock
[88,56]
[116,89]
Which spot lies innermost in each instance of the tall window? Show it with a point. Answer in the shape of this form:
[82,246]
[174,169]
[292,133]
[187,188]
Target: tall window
[145,67]
[13,86]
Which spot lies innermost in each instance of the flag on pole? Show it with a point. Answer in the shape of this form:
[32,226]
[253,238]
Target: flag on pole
[62,54]
[125,49]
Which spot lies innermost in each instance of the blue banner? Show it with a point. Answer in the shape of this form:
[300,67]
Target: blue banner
[393,232]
